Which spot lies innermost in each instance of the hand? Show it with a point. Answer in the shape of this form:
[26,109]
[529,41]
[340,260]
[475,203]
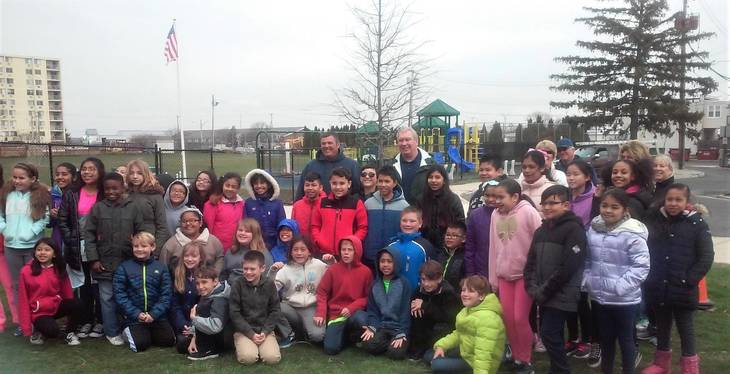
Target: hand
[367,334]
[54,213]
[345,312]
[397,343]
[194,311]
[328,259]
[416,310]
[277,265]
[439,352]
[318,321]
[149,318]
[259,338]
[142,317]
[187,331]
[193,347]
[97,267]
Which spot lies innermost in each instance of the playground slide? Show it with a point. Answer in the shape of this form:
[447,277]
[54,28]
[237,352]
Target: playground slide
[456,158]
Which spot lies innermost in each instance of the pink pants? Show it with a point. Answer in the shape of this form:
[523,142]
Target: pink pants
[7,284]
[516,305]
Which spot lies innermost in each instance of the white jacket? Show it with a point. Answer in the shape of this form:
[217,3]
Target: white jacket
[297,284]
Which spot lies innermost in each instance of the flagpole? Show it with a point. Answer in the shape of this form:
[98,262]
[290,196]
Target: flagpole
[179,109]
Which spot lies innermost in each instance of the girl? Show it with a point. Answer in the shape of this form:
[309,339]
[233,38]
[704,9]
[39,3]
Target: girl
[476,247]
[191,230]
[681,253]
[176,202]
[205,185]
[72,214]
[6,280]
[368,182]
[287,230]
[636,179]
[479,333]
[65,177]
[248,238]
[582,190]
[510,236]
[184,292]
[146,193]
[440,206]
[24,209]
[536,176]
[223,215]
[297,283]
[616,265]
[263,203]
[45,295]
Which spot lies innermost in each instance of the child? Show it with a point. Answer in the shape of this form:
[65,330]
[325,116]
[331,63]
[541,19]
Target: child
[107,233]
[65,176]
[388,311]
[536,177]
[286,230]
[191,230]
[302,210]
[176,201]
[248,238]
[681,253]
[297,283]
[339,215]
[510,235]
[582,190]
[553,271]
[439,205]
[476,247]
[368,182]
[479,333]
[45,295]
[413,248]
[383,209]
[451,256]
[146,192]
[6,281]
[209,316]
[636,178]
[254,309]
[263,204]
[121,170]
[142,291]
[203,187]
[616,265]
[222,216]
[433,310]
[342,292]
[184,292]
[490,167]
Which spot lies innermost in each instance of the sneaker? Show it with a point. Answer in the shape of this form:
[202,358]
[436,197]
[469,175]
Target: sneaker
[115,340]
[645,334]
[286,342]
[653,341]
[539,347]
[524,368]
[582,350]
[83,331]
[72,339]
[97,331]
[36,338]
[200,356]
[642,324]
[570,347]
[507,357]
[18,332]
[637,361]
[594,358]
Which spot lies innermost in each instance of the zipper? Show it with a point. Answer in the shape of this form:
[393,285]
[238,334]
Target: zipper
[144,285]
[446,268]
[338,217]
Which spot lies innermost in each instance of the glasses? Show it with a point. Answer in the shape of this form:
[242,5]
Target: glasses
[551,203]
[190,221]
[454,236]
[367,175]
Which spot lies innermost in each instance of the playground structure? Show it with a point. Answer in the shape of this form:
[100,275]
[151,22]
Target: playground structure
[455,146]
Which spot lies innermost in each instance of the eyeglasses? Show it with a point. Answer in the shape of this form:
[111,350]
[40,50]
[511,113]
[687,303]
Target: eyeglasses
[453,236]
[367,175]
[190,221]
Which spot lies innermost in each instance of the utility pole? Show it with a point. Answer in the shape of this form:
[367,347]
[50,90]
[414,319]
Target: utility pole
[410,99]
[213,104]
[682,124]
[271,120]
[201,134]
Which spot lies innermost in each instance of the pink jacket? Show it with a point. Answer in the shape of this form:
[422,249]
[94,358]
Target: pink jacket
[534,190]
[222,219]
[510,237]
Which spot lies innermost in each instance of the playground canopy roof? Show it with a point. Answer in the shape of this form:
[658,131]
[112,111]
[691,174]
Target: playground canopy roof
[438,108]
[371,127]
[430,123]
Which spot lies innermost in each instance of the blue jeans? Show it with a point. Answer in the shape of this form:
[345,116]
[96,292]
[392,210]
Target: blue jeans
[617,323]
[108,308]
[335,334]
[450,363]
[552,324]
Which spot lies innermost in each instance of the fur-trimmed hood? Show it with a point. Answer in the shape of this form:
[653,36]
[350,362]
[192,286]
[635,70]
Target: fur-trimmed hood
[249,188]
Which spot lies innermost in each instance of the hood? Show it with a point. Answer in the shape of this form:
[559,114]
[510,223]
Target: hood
[183,240]
[490,303]
[397,195]
[565,218]
[522,204]
[536,184]
[292,225]
[223,289]
[249,188]
[358,248]
[586,194]
[627,225]
[407,237]
[166,198]
[340,156]
[395,253]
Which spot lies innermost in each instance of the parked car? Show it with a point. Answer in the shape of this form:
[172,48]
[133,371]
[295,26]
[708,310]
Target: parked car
[598,154]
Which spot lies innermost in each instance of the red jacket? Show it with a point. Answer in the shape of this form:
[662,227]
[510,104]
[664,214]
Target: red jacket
[40,295]
[344,285]
[222,219]
[303,211]
[336,219]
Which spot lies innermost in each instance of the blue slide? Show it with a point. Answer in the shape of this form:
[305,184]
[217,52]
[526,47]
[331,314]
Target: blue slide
[453,151]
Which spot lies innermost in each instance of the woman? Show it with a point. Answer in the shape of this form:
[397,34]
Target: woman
[634,150]
[663,177]
[191,229]
[550,150]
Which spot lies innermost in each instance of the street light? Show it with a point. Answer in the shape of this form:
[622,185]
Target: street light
[213,104]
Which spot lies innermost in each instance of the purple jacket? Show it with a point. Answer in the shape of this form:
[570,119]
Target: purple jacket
[476,248]
[581,205]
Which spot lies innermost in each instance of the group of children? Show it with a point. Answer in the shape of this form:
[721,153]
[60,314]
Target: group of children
[200,268]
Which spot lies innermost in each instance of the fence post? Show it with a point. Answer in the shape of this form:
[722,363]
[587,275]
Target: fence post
[212,168]
[157,160]
[291,172]
[50,162]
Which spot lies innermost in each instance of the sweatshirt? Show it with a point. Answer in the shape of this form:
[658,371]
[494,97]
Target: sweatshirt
[280,251]
[582,205]
[172,213]
[476,247]
[383,221]
[535,189]
[390,308]
[40,295]
[254,307]
[510,237]
[297,284]
[222,219]
[302,211]
[21,231]
[212,311]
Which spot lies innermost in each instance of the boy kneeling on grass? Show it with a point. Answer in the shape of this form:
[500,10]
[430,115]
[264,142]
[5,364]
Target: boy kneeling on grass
[254,309]
[209,316]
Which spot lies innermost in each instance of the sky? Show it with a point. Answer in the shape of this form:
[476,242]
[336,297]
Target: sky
[282,60]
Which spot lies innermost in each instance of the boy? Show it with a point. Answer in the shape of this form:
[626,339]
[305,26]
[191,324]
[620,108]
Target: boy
[490,167]
[383,210]
[254,309]
[339,214]
[303,209]
[412,247]
[107,233]
[209,316]
[476,247]
[451,257]
[388,312]
[433,310]
[554,269]
[142,290]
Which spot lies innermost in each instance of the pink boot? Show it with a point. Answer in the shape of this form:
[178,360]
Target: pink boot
[690,364]
[662,363]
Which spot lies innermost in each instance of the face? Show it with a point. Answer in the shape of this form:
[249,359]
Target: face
[407,144]
[487,171]
[621,175]
[386,184]
[576,179]
[252,271]
[142,250]
[340,186]
[312,189]
[329,147]
[611,210]
[230,188]
[552,207]
[430,285]
[530,171]
[260,187]
[90,174]
[205,286]
[661,171]
[243,236]
[566,154]
[300,253]
[190,225]
[410,223]
[191,259]
[454,238]
[21,180]
[675,201]
[63,177]
[435,181]
[490,196]
[203,182]
[135,176]
[177,194]
[285,234]
[113,190]
[44,254]
[550,155]
[347,251]
[626,155]
[385,264]
[121,170]
[368,177]
[470,298]
[504,201]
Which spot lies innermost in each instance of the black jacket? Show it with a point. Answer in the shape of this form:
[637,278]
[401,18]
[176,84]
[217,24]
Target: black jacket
[435,220]
[681,253]
[639,203]
[440,306]
[68,224]
[660,191]
[554,267]
[254,308]
[453,265]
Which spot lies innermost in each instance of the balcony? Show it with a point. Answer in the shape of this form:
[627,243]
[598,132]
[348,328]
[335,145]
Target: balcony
[54,86]
[55,107]
[54,96]
[53,75]
[52,65]
[55,117]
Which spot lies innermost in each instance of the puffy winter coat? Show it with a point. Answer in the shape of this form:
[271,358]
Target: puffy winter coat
[639,202]
[152,209]
[71,230]
[453,264]
[298,284]
[479,335]
[302,211]
[222,219]
[476,247]
[336,219]
[267,209]
[172,213]
[617,262]
[279,252]
[16,223]
[383,221]
[681,253]
[40,295]
[392,309]
[142,286]
[414,250]
[182,302]
[324,167]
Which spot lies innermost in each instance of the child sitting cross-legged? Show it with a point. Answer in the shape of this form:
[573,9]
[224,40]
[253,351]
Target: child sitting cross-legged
[209,316]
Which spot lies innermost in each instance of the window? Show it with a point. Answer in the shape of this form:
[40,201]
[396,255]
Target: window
[30,92]
[39,92]
[11,91]
[11,112]
[29,82]
[11,80]
[39,102]
[37,71]
[38,82]
[29,71]
[713,111]
[31,103]
[28,60]
[8,70]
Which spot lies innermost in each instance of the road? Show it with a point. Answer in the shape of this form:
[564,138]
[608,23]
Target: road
[712,190]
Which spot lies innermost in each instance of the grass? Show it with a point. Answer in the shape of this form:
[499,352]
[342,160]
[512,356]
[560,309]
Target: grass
[98,356]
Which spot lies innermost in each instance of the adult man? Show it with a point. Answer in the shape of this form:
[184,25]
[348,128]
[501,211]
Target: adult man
[410,164]
[329,157]
[566,154]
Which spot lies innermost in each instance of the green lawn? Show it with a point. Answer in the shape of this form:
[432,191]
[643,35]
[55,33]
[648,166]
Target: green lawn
[98,356]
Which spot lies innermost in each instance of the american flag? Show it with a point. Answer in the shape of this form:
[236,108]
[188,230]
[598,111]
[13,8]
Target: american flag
[171,45]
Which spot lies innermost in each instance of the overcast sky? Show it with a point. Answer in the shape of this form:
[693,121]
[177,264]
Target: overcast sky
[492,58]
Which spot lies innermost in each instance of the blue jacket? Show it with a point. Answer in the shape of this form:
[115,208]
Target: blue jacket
[182,303]
[142,286]
[392,309]
[414,251]
[383,221]
[324,167]
[16,223]
[280,251]
[267,209]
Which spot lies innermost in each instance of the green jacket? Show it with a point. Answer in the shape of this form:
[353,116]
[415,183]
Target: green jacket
[479,335]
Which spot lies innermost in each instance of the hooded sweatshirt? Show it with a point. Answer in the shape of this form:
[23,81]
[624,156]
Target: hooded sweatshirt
[344,285]
[16,223]
[303,210]
[222,219]
[212,311]
[280,250]
[510,237]
[476,247]
[172,251]
[297,284]
[323,166]
[337,218]
[267,209]
[40,295]
[582,204]
[390,307]
[535,189]
[414,250]
[383,221]
[172,213]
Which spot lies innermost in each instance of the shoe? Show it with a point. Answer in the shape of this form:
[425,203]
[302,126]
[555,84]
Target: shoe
[653,341]
[83,331]
[36,338]
[524,368]
[539,347]
[18,332]
[594,358]
[97,331]
[638,358]
[115,340]
[200,356]
[72,339]
[662,363]
[690,364]
[507,357]
[286,342]
[583,350]
[642,324]
[570,347]
[645,334]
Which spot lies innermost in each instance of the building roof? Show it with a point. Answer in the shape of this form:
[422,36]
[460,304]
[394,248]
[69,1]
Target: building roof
[438,108]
